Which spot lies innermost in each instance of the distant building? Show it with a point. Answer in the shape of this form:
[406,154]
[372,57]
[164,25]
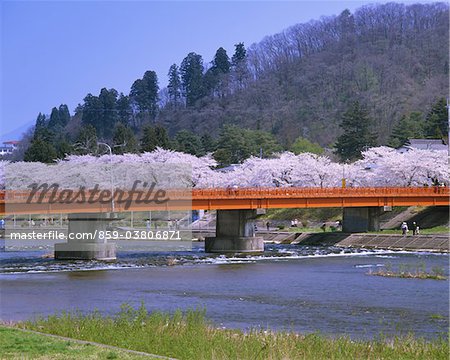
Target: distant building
[8,147]
[423,144]
[229,168]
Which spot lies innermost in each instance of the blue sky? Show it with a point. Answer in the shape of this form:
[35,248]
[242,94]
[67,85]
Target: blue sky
[58,51]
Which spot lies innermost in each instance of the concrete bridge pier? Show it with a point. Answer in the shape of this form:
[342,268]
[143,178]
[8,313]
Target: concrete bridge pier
[361,219]
[85,238]
[235,233]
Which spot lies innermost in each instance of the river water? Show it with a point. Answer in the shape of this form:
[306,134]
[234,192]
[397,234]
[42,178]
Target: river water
[292,287]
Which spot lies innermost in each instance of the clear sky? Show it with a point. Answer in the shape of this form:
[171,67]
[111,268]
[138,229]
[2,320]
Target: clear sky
[58,51]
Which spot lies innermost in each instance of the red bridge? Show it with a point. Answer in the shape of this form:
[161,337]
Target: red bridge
[16,202]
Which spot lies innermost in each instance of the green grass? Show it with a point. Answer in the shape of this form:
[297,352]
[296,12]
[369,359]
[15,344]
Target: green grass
[411,271]
[437,230]
[430,231]
[437,317]
[319,214]
[16,344]
[190,336]
[302,229]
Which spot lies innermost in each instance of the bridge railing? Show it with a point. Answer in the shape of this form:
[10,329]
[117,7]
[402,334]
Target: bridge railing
[16,196]
[317,192]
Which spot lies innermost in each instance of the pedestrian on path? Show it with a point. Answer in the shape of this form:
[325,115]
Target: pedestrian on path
[415,228]
[404,228]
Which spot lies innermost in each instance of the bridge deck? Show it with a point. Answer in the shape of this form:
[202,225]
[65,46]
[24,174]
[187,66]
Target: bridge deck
[17,202]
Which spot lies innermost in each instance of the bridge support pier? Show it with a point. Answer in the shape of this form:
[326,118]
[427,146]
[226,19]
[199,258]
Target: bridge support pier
[85,240]
[235,233]
[361,219]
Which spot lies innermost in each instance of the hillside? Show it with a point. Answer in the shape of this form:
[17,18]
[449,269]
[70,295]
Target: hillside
[393,58]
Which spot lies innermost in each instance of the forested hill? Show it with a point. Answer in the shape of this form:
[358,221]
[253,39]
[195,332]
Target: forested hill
[389,63]
[393,58]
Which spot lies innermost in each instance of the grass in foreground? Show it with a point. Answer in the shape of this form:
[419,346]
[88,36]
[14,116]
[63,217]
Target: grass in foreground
[15,344]
[191,336]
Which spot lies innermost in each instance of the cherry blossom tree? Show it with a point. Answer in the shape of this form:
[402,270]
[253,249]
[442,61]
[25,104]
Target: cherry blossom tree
[380,166]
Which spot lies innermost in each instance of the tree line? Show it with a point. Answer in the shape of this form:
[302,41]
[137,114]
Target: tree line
[234,144]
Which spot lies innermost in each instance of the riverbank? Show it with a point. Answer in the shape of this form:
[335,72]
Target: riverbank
[428,242]
[190,335]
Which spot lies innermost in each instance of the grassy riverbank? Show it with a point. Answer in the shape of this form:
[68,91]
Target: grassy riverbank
[16,344]
[191,336]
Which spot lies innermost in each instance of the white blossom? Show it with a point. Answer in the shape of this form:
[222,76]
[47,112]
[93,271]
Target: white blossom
[380,166]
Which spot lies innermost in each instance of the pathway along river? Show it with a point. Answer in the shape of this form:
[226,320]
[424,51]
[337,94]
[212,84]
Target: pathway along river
[291,287]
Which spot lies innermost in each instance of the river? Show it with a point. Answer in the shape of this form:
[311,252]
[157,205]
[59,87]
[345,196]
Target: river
[292,287]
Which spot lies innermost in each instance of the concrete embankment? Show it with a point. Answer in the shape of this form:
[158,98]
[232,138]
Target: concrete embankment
[434,243]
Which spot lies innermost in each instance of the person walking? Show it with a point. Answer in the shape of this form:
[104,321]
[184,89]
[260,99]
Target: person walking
[404,228]
[415,228]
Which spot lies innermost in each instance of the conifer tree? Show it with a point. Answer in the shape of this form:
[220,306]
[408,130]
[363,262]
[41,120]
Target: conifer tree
[436,123]
[191,71]
[357,133]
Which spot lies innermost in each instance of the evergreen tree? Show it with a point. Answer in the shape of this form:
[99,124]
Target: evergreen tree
[64,115]
[239,65]
[59,118]
[54,121]
[91,110]
[208,143]
[41,148]
[221,62]
[236,144]
[86,141]
[191,71]
[409,127]
[346,24]
[174,86]
[216,78]
[41,131]
[188,142]
[40,151]
[154,137]
[124,140]
[240,54]
[357,134]
[162,139]
[41,121]
[148,141]
[436,124]
[62,148]
[144,93]
[124,109]
[108,114]
[101,112]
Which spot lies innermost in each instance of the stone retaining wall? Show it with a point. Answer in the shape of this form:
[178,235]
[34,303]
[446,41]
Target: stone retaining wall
[438,243]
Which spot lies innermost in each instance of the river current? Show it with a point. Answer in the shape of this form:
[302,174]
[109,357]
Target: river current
[290,287]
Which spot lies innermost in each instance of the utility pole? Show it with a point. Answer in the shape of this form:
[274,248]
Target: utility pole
[110,174]
[111,170]
[448,119]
